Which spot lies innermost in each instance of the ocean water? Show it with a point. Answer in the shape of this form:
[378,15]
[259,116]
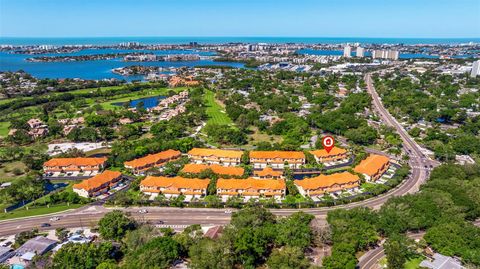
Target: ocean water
[101,69]
[218,40]
[97,69]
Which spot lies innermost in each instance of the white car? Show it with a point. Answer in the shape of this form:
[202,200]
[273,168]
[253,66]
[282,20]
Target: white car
[142,211]
[54,219]
[228,211]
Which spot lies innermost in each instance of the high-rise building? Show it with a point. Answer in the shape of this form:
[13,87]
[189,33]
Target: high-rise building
[376,54]
[347,51]
[393,55]
[385,54]
[475,69]
[360,52]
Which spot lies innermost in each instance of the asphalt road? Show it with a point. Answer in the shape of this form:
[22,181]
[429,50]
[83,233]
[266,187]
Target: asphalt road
[87,216]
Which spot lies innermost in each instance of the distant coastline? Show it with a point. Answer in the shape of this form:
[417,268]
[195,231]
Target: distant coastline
[219,40]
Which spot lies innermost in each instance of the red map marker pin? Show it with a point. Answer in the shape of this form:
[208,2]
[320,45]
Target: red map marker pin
[328,143]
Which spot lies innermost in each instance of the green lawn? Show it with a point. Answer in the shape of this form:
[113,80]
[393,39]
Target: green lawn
[368,186]
[413,263]
[216,113]
[6,171]
[4,127]
[105,105]
[19,213]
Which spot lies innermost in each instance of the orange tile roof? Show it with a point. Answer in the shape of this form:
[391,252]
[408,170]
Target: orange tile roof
[323,153]
[204,152]
[371,164]
[325,181]
[216,168]
[251,183]
[175,182]
[277,154]
[153,158]
[268,171]
[75,161]
[98,180]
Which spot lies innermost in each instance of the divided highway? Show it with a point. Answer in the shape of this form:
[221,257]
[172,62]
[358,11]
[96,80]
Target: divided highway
[88,216]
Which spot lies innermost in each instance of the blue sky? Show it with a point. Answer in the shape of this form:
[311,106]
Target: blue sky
[312,18]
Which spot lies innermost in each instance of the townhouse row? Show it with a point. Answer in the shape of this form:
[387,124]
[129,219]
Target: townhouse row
[265,182]
[248,188]
[278,160]
[215,158]
[98,185]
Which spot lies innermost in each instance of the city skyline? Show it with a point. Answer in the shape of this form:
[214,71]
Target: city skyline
[267,18]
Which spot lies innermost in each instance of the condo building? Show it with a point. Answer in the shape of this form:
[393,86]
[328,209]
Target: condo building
[335,154]
[224,171]
[386,54]
[267,173]
[373,167]
[98,184]
[251,188]
[347,51]
[333,184]
[360,52]
[215,156]
[277,159]
[74,165]
[475,69]
[174,186]
[141,165]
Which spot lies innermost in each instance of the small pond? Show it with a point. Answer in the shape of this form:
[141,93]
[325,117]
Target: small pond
[148,102]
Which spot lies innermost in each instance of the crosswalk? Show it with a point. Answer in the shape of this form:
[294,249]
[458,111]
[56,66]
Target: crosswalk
[178,227]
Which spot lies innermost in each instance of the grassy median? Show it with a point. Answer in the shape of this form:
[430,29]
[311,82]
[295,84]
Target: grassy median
[37,211]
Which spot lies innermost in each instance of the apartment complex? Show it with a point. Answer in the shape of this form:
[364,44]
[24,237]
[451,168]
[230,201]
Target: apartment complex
[335,154]
[80,164]
[277,159]
[373,167]
[215,156]
[347,51]
[360,52]
[475,69]
[229,171]
[334,183]
[176,81]
[98,184]
[251,188]
[267,173]
[386,54]
[140,165]
[174,186]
